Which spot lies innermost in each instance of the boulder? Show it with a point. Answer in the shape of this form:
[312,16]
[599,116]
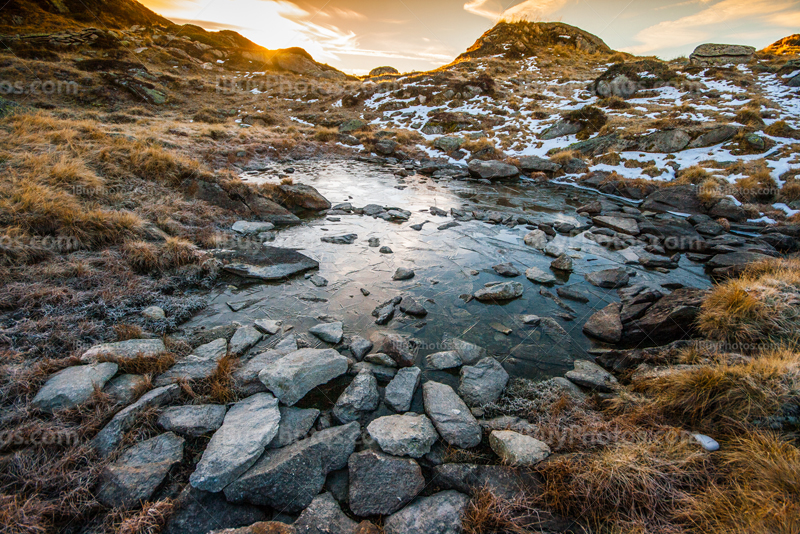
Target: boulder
[323,516]
[563,263]
[381,484]
[199,365]
[469,352]
[623,225]
[269,264]
[359,398]
[124,350]
[295,424]
[139,471]
[404,435]
[561,128]
[536,239]
[245,377]
[251,228]
[728,208]
[301,197]
[670,319]
[200,512]
[125,389]
[192,420]
[410,306]
[400,391]
[451,417]
[297,373]
[666,141]
[248,427]
[399,348]
[328,332]
[403,273]
[483,382]
[517,449]
[360,347]
[506,269]
[500,292]
[678,199]
[536,275]
[708,55]
[448,359]
[73,386]
[609,278]
[605,325]
[537,164]
[592,376]
[441,513]
[492,170]
[289,478]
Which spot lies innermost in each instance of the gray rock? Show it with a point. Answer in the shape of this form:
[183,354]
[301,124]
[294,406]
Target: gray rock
[469,352]
[483,382]
[111,435]
[192,420]
[287,344]
[609,279]
[359,398]
[245,377]
[572,293]
[295,425]
[706,442]
[592,376]
[269,264]
[125,389]
[411,307]
[404,435]
[347,239]
[381,359]
[606,324]
[624,225]
[382,484]
[73,386]
[666,141]
[289,478]
[214,350]
[500,292]
[536,239]
[721,54]
[124,350]
[249,426]
[531,320]
[323,516]
[297,373]
[154,313]
[328,332]
[360,347]
[517,449]
[268,326]
[399,348]
[403,273]
[560,129]
[506,269]
[385,250]
[136,475]
[492,170]
[448,359]
[400,391]
[244,338]
[200,512]
[562,263]
[448,144]
[534,274]
[380,372]
[199,365]
[441,513]
[537,164]
[504,481]
[451,417]
[251,228]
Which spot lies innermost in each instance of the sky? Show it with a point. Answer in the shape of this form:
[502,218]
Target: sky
[356,36]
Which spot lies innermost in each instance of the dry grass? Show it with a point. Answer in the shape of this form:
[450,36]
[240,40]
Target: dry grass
[758,187]
[488,513]
[695,175]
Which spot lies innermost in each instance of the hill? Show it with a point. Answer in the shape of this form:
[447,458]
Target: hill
[516,40]
[788,46]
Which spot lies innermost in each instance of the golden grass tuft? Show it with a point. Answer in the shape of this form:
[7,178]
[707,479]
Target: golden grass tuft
[488,513]
[695,175]
[759,186]
[144,257]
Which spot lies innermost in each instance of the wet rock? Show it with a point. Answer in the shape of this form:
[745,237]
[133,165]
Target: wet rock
[251,228]
[592,208]
[536,239]
[73,386]
[111,435]
[328,332]
[469,352]
[268,263]
[670,319]
[323,516]
[531,320]
[483,382]
[192,420]
[609,279]
[268,326]
[605,325]
[720,54]
[294,425]
[248,427]
[536,275]
[136,475]
[401,349]
[125,389]
[124,350]
[517,449]
[385,250]
[652,261]
[359,398]
[562,263]
[411,307]
[592,376]
[381,484]
[499,292]
[623,225]
[403,273]
[318,281]
[679,199]
[451,417]
[400,391]
[572,293]
[244,338]
[297,373]
[441,513]
[447,226]
[360,347]
[504,481]
[404,435]
[347,239]
[506,269]
[289,478]
[200,512]
[492,170]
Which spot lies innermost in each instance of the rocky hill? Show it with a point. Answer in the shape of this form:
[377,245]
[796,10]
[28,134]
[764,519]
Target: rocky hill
[516,40]
[788,46]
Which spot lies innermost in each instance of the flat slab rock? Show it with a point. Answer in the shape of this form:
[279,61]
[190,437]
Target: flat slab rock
[592,376]
[504,481]
[192,420]
[381,484]
[324,516]
[483,382]
[200,512]
[504,291]
[124,350]
[517,449]
[267,263]
[73,386]
[404,435]
[400,391]
[297,373]
[451,417]
[441,513]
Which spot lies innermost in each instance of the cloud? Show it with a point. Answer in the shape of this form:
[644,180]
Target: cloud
[708,22]
[529,9]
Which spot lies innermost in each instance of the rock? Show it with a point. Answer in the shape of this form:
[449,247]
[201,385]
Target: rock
[706,442]
[667,141]
[251,228]
[73,386]
[192,420]
[411,307]
[517,449]
[268,326]
[268,263]
[728,208]
[295,425]
[605,325]
[245,377]
[136,475]
[679,199]
[111,435]
[263,527]
[244,338]
[124,350]
[125,389]
[623,225]
[448,144]
[318,281]
[719,54]
[386,147]
[561,128]
[506,269]
[247,429]
[562,263]
[385,250]
[360,347]
[609,279]
[714,136]
[441,513]
[380,372]
[443,360]
[382,484]
[500,292]
[365,527]
[670,319]
[297,373]
[347,239]
[400,391]
[351,125]
[328,332]
[531,320]
[451,417]
[200,512]
[469,352]
[359,398]
[572,293]
[404,435]
[503,481]
[483,382]
[592,376]
[537,164]
[536,239]
[154,313]
[737,260]
[199,365]
[323,516]
[289,478]
[401,349]
[301,197]
[380,359]
[403,273]
[492,170]
[536,275]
